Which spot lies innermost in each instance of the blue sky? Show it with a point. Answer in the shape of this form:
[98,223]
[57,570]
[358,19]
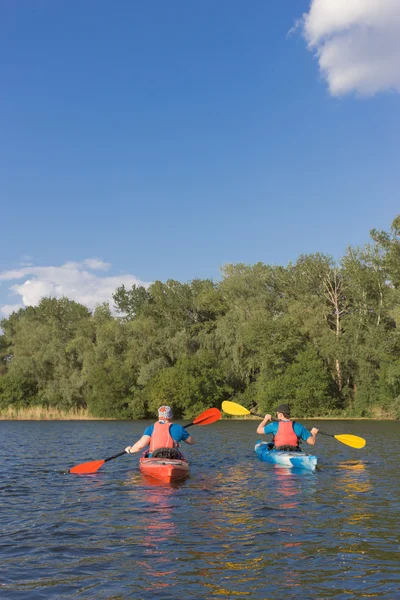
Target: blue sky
[165,139]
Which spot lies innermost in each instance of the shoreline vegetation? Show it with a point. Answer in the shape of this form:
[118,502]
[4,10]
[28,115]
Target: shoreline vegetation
[321,334]
[41,413]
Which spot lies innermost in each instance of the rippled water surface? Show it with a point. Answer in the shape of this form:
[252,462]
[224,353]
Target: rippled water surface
[236,528]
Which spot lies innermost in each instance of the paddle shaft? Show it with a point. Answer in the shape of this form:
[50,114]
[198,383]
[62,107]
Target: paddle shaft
[353,441]
[124,452]
[233,408]
[205,418]
[277,421]
[115,456]
[323,433]
[262,417]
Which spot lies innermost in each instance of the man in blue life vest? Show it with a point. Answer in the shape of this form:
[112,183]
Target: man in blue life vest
[163,435]
[287,434]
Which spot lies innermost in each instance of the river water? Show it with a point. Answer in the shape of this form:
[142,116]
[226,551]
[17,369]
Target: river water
[237,528]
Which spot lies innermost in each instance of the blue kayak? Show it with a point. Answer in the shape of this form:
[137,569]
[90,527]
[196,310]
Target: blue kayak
[283,458]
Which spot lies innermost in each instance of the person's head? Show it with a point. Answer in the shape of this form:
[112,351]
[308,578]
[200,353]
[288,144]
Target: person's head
[165,412]
[283,411]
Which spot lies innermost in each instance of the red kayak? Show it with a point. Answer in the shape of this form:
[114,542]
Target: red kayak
[164,469]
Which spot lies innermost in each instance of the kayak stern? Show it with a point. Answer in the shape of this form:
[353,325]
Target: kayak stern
[164,469]
[291,460]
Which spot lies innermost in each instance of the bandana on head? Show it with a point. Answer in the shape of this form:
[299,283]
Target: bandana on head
[165,412]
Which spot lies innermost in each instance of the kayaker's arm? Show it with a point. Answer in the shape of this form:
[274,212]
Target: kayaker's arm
[189,440]
[140,445]
[312,439]
[260,428]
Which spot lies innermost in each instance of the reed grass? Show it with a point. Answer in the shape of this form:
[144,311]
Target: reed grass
[382,414]
[42,413]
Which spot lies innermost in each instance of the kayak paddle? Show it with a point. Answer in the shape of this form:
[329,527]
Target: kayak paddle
[92,467]
[354,441]
[232,408]
[205,418]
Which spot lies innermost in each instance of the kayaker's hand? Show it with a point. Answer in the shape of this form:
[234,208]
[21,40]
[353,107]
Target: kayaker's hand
[268,418]
[314,431]
[128,449]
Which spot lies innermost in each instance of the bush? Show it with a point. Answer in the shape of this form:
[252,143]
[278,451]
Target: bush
[305,385]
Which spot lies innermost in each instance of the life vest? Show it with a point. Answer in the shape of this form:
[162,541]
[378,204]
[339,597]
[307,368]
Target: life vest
[161,437]
[286,436]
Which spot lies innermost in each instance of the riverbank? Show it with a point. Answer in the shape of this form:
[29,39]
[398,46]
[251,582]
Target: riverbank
[40,413]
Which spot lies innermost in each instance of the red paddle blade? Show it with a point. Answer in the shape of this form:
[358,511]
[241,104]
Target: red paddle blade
[88,467]
[208,416]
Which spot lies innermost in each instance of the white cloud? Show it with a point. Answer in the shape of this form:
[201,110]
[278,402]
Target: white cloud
[7,309]
[14,274]
[72,279]
[96,264]
[357,43]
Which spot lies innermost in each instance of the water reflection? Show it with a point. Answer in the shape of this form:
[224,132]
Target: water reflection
[354,479]
[217,590]
[285,486]
[243,514]
[158,528]
[354,482]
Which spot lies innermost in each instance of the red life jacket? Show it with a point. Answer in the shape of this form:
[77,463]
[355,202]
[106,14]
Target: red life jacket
[161,437]
[286,436]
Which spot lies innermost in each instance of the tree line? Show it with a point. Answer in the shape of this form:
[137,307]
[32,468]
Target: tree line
[321,335]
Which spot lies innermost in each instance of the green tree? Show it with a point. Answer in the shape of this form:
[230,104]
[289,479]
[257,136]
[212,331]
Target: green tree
[305,385]
[389,244]
[192,385]
[108,374]
[38,355]
[318,303]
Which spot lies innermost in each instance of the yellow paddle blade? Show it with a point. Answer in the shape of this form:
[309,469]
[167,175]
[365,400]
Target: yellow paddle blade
[232,408]
[351,440]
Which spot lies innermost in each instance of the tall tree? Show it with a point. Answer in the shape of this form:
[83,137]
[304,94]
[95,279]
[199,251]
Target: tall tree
[389,244]
[318,302]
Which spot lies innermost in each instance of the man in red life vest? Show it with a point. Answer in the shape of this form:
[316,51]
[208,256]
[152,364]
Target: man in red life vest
[163,434]
[287,434]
